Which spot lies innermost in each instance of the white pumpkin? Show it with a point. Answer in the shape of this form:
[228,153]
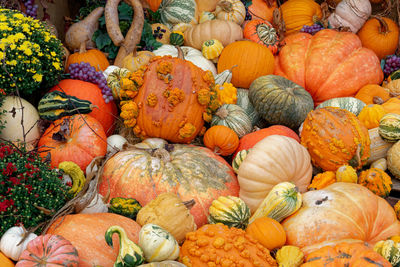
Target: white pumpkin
[351,13]
[115,142]
[157,244]
[97,205]
[13,116]
[10,240]
[190,54]
[109,70]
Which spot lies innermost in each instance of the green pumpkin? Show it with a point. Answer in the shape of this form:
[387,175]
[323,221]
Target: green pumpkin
[233,117]
[176,38]
[229,210]
[351,104]
[127,207]
[240,156]
[389,127]
[173,12]
[56,104]
[390,250]
[243,101]
[280,101]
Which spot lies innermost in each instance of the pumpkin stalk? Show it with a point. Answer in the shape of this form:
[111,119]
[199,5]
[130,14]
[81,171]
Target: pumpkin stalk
[162,154]
[180,52]
[222,113]
[383,27]
[189,204]
[225,6]
[378,100]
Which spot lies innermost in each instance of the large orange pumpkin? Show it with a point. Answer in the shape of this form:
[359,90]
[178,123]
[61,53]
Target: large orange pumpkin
[337,213]
[86,233]
[335,137]
[104,112]
[189,171]
[253,60]
[329,64]
[77,138]
[170,100]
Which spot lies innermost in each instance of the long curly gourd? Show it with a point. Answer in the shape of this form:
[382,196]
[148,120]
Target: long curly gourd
[134,34]
[77,176]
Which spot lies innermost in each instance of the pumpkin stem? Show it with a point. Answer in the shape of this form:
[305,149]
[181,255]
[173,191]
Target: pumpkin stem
[222,113]
[378,100]
[383,26]
[226,6]
[189,204]
[180,52]
[45,211]
[394,94]
[269,2]
[82,48]
[162,154]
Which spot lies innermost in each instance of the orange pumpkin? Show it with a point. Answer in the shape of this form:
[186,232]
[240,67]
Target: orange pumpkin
[104,112]
[86,233]
[346,254]
[239,53]
[219,245]
[268,232]
[381,35]
[338,213]
[189,171]
[262,32]
[94,57]
[392,105]
[170,100]
[221,139]
[328,69]
[372,94]
[154,4]
[5,262]
[262,9]
[77,138]
[345,141]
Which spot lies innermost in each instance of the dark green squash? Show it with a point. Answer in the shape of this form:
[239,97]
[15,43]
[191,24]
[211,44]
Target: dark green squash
[280,101]
[56,104]
[128,207]
[176,38]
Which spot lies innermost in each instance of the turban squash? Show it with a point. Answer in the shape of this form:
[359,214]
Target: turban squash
[329,64]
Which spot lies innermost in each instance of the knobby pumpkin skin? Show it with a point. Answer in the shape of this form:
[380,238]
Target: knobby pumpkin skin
[86,233]
[345,142]
[335,214]
[376,180]
[189,171]
[329,64]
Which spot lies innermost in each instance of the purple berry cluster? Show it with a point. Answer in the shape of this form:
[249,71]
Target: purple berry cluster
[392,64]
[31,8]
[313,29]
[85,72]
[158,33]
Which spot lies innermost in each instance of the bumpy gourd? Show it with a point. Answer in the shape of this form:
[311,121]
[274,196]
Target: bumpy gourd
[390,250]
[389,127]
[75,173]
[127,207]
[322,180]
[289,256]
[283,200]
[377,181]
[116,79]
[229,210]
[371,115]
[346,174]
[227,93]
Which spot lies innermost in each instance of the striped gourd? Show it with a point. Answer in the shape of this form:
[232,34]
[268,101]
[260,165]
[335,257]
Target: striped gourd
[243,101]
[176,38]
[229,210]
[240,156]
[56,104]
[390,250]
[176,11]
[234,117]
[283,200]
[378,147]
[351,104]
[389,127]
[114,78]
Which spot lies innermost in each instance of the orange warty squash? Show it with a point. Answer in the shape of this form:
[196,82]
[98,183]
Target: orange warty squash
[268,232]
[218,242]
[376,180]
[94,57]
[221,139]
[346,254]
[345,141]
[86,233]
[238,53]
[322,180]
[77,138]
[262,9]
[372,94]
[262,32]
[326,68]
[335,214]
[191,172]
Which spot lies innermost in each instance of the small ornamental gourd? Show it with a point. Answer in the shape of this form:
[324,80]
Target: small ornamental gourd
[390,250]
[397,211]
[129,253]
[136,60]
[229,210]
[226,93]
[240,156]
[282,201]
[376,180]
[231,10]
[371,115]
[322,180]
[346,174]
[117,80]
[268,232]
[289,256]
[127,207]
[77,176]
[56,104]
[389,127]
[221,139]
[372,94]
[211,49]
[379,147]
[234,117]
[10,243]
[205,16]
[157,244]
[176,38]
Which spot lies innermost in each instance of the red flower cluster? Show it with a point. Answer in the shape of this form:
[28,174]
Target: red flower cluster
[5,204]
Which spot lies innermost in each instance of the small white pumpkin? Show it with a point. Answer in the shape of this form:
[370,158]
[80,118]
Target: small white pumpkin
[109,70]
[351,13]
[10,239]
[157,243]
[115,142]
[97,205]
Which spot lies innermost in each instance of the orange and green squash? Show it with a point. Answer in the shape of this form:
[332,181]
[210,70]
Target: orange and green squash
[322,180]
[376,180]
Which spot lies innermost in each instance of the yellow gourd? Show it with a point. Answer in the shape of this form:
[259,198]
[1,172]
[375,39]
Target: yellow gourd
[322,180]
[370,115]
[346,174]
[226,93]
[289,256]
[211,49]
[75,173]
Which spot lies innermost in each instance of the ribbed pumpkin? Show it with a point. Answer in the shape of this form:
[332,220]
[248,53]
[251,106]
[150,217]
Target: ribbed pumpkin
[239,53]
[229,210]
[376,180]
[280,101]
[268,232]
[105,113]
[86,233]
[297,13]
[372,94]
[94,57]
[390,250]
[234,117]
[238,159]
[346,141]
[351,104]
[176,11]
[261,9]
[322,180]
[327,217]
[221,139]
[243,101]
[135,60]
[211,49]
[169,101]
[371,115]
[389,127]
[262,32]
[393,160]
[328,69]
[381,35]
[189,171]
[233,10]
[289,256]
[49,250]
[378,147]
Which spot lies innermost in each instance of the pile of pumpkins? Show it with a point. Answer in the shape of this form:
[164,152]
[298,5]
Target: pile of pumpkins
[260,145]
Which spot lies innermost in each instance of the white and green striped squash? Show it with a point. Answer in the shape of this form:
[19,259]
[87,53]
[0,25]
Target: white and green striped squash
[393,160]
[233,117]
[229,210]
[390,250]
[389,127]
[176,11]
[351,104]
[244,102]
[378,147]
[240,156]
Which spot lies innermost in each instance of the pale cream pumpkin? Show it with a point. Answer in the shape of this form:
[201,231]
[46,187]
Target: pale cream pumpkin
[273,160]
[232,10]
[350,13]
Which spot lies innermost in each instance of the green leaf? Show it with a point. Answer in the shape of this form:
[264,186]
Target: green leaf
[102,40]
